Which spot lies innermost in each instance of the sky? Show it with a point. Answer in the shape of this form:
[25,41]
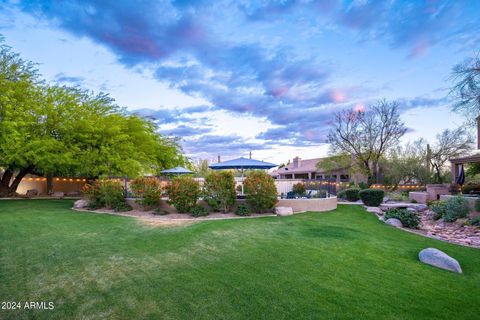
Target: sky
[230,77]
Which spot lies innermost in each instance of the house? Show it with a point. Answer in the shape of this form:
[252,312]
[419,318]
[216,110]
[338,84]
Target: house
[307,169]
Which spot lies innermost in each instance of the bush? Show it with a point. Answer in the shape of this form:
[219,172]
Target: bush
[455,208]
[352,194]
[261,193]
[362,185]
[439,208]
[320,194]
[409,219]
[242,210]
[148,190]
[183,193]
[105,193]
[219,190]
[199,211]
[474,221]
[371,197]
[123,207]
[477,205]
[471,187]
[160,212]
[342,194]
[299,189]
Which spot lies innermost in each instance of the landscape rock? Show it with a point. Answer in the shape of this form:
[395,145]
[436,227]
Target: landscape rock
[32,192]
[58,194]
[283,211]
[439,259]
[394,222]
[404,205]
[375,210]
[80,204]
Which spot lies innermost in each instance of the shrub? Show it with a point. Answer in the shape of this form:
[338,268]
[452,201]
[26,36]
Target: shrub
[477,205]
[408,218]
[474,221]
[362,185]
[242,210]
[455,207]
[199,211]
[219,190]
[439,208]
[471,187]
[261,193]
[342,194]
[148,190]
[123,207]
[320,194]
[183,193]
[372,197]
[105,193]
[352,194]
[299,189]
[160,212]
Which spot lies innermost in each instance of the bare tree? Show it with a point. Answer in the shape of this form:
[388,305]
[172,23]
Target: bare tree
[449,144]
[367,135]
[467,88]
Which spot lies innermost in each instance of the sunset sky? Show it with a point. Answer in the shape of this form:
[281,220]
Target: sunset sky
[230,77]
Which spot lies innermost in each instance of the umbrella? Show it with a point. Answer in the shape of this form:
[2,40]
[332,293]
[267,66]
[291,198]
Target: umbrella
[461,176]
[176,171]
[242,164]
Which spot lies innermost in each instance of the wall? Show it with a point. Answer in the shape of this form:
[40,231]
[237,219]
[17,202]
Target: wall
[65,185]
[285,185]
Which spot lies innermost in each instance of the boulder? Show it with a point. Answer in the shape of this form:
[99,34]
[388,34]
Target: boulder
[404,205]
[80,204]
[283,211]
[394,222]
[439,259]
[375,210]
[32,193]
[58,194]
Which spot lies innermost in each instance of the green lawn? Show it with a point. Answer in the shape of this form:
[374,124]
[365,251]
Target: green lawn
[343,264]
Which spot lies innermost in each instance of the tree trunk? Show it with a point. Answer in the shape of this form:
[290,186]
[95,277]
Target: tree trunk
[10,189]
[49,184]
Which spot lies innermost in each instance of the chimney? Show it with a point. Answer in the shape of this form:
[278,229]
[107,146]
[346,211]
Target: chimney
[478,132]
[218,158]
[297,162]
[250,155]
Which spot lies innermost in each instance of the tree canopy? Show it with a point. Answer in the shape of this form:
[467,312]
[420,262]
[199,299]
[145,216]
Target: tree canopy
[466,90]
[69,131]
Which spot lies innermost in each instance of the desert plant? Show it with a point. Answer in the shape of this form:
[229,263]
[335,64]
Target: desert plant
[261,193]
[372,197]
[351,194]
[183,193]
[408,218]
[148,190]
[475,221]
[439,208]
[219,190]
[455,208]
[104,193]
[199,211]
[299,189]
[242,210]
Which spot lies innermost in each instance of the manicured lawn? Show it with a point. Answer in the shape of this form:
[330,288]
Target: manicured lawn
[343,264]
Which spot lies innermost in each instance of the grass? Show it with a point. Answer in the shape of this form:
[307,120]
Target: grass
[343,264]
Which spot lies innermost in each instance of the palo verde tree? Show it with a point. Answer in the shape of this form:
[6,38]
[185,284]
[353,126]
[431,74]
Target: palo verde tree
[367,135]
[59,130]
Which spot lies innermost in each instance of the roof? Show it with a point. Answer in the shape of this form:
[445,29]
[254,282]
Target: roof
[306,166]
[468,159]
[242,163]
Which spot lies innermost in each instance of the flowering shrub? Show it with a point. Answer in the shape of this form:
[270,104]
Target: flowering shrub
[299,189]
[261,193]
[219,190]
[183,193]
[148,190]
[105,193]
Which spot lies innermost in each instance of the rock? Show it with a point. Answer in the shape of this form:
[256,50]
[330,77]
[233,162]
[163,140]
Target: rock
[375,210]
[283,211]
[412,210]
[80,204]
[73,194]
[32,192]
[58,194]
[403,205]
[394,222]
[439,259]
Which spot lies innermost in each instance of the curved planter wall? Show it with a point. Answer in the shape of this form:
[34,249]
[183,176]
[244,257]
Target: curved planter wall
[302,205]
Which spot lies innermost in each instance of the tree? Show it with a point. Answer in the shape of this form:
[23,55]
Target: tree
[407,164]
[367,135]
[201,169]
[51,130]
[449,144]
[467,88]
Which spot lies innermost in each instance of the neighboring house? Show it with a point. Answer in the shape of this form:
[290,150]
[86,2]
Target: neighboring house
[307,169]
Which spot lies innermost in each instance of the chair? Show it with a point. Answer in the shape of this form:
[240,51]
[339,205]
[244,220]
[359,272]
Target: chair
[290,195]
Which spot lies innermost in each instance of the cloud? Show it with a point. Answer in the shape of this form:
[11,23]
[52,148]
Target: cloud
[70,80]
[224,145]
[185,131]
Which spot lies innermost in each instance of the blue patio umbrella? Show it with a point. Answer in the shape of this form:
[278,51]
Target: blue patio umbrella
[461,176]
[176,171]
[242,164]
